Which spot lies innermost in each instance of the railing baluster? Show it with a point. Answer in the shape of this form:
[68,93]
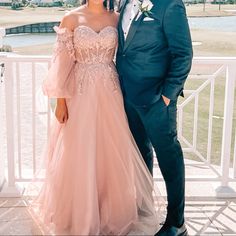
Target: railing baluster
[227,125]
[180,121]
[195,125]
[33,118]
[210,122]
[9,85]
[18,109]
[234,165]
[49,113]
[2,156]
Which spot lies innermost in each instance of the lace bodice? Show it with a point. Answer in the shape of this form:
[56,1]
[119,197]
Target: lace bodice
[79,58]
[87,46]
[93,47]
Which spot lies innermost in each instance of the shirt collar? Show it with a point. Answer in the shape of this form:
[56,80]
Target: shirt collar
[134,1]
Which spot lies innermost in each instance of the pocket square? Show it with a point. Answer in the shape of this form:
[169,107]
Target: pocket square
[138,15]
[148,19]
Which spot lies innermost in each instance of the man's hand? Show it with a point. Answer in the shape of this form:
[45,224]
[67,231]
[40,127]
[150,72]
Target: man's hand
[166,100]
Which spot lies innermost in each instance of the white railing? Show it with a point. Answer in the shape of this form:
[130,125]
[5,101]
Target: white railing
[27,120]
[22,79]
[226,68]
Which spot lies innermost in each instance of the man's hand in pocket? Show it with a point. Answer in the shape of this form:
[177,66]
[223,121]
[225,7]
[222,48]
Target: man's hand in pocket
[166,100]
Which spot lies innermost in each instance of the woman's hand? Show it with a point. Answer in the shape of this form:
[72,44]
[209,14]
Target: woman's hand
[61,111]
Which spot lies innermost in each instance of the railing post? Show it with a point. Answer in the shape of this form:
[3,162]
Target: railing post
[2,34]
[2,166]
[10,189]
[224,189]
[234,158]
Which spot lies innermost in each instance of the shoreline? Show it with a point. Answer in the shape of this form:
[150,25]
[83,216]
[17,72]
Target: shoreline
[13,18]
[209,43]
[211,16]
[39,22]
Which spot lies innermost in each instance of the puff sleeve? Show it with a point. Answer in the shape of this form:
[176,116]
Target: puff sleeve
[60,80]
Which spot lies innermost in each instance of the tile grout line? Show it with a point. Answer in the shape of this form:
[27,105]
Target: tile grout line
[209,218]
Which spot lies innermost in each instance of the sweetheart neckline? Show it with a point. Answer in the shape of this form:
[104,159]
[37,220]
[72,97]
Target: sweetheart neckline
[92,30]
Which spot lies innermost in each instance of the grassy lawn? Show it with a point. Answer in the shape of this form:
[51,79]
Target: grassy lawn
[214,43]
[211,10]
[30,15]
[43,49]
[203,116]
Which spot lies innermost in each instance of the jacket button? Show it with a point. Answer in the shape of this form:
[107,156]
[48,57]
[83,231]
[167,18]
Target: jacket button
[123,55]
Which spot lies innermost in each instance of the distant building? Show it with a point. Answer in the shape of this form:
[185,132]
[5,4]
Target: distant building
[8,2]
[41,1]
[5,2]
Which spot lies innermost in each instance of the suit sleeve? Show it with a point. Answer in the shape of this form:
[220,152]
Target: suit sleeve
[177,33]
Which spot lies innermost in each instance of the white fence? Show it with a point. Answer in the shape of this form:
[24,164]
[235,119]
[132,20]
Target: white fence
[206,120]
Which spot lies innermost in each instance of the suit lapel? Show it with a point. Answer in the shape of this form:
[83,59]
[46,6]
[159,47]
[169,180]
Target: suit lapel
[122,6]
[121,32]
[133,28]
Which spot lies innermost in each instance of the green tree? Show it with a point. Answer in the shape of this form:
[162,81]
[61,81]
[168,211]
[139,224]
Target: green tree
[15,4]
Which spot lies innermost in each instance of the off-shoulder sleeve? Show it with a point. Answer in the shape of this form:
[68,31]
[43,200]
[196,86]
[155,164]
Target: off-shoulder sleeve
[60,80]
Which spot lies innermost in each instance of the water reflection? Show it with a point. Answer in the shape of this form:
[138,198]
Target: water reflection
[206,23]
[23,40]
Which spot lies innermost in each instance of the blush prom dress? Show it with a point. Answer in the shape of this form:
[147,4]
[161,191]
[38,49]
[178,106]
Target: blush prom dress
[96,180]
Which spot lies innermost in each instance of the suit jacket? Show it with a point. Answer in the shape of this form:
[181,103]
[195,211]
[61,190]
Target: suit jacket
[156,56]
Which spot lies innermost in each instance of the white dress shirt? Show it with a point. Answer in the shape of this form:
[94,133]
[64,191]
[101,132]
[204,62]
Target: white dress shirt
[130,11]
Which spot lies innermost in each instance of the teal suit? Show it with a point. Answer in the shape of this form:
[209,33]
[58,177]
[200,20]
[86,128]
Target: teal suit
[156,57]
[154,60]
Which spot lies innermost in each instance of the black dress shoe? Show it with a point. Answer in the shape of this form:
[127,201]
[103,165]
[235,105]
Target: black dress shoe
[168,230]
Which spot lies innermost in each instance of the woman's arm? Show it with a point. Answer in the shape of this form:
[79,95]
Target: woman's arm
[61,111]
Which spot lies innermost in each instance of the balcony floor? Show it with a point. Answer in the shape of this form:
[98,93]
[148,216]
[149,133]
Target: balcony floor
[204,216]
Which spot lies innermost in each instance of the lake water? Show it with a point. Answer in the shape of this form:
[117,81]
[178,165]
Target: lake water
[227,23]
[208,23]
[23,40]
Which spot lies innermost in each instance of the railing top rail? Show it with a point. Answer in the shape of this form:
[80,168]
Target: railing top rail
[16,57]
[214,60]
[198,60]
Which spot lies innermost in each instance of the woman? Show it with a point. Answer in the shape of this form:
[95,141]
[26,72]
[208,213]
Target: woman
[96,181]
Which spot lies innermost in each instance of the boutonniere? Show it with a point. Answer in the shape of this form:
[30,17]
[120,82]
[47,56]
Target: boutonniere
[145,7]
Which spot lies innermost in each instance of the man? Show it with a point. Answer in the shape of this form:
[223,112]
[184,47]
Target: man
[153,61]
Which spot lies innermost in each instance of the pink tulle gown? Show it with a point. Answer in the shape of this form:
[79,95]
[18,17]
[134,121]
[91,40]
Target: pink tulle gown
[96,181]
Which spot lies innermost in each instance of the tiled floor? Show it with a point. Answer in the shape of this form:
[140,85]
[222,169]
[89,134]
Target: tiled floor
[204,216]
[211,217]
[15,219]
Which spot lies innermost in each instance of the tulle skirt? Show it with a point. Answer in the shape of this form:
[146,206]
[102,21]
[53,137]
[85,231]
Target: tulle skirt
[96,182]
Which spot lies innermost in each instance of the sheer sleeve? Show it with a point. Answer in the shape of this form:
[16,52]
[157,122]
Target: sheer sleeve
[60,80]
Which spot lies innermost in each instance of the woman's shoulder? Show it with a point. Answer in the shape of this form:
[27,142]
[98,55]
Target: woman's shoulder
[71,18]
[77,11]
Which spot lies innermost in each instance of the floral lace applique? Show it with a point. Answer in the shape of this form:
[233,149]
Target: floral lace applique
[93,53]
[64,41]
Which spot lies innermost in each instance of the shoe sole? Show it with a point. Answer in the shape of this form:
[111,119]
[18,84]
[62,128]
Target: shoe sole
[185,233]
